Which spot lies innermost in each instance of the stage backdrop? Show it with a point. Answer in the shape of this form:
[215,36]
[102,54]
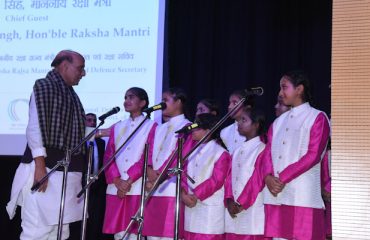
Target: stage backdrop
[122,42]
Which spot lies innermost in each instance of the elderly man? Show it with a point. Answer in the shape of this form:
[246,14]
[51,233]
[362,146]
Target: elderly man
[56,123]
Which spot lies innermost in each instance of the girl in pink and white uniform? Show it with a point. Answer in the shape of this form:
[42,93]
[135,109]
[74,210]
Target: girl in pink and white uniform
[230,135]
[208,166]
[297,141]
[159,213]
[123,192]
[245,222]
[291,166]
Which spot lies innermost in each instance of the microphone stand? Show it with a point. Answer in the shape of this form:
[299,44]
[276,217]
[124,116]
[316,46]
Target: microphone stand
[178,170]
[87,193]
[64,163]
[171,159]
[139,217]
[112,158]
[156,183]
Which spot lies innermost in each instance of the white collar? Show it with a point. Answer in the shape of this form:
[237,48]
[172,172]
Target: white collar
[177,118]
[300,109]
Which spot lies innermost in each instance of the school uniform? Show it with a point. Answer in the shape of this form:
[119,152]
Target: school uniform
[159,213]
[119,211]
[298,142]
[249,223]
[296,146]
[208,165]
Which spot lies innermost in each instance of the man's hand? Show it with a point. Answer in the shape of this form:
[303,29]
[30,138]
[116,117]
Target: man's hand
[40,172]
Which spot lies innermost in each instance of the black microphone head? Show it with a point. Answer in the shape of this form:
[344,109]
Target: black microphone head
[160,106]
[109,113]
[116,109]
[259,91]
[256,91]
[163,105]
[188,128]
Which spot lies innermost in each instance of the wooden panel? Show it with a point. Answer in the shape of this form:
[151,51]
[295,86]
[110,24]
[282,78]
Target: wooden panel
[351,119]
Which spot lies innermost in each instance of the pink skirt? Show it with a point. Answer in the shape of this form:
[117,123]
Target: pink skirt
[293,222]
[159,217]
[118,213]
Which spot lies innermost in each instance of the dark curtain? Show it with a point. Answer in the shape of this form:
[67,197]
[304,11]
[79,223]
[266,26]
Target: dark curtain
[214,47]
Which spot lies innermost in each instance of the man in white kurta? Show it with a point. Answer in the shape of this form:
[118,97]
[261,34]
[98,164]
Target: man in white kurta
[56,123]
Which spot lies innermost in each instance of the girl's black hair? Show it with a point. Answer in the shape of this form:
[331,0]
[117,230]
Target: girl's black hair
[179,94]
[211,104]
[238,92]
[141,94]
[208,121]
[257,116]
[298,77]
[250,101]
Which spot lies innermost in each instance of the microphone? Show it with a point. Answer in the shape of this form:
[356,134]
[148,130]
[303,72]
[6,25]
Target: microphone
[257,91]
[109,113]
[188,128]
[159,106]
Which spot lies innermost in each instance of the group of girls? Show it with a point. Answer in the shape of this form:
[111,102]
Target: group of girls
[247,185]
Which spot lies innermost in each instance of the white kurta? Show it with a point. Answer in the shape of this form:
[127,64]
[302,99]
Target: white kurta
[165,143]
[47,204]
[231,137]
[211,210]
[249,221]
[132,151]
[292,132]
[159,218]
